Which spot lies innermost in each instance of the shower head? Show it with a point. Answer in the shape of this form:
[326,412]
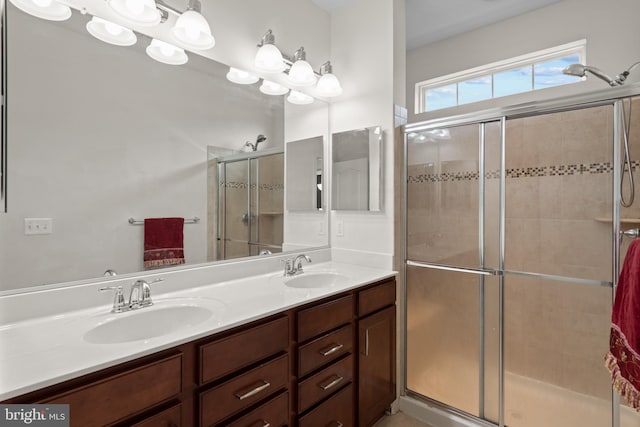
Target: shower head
[580,70]
[254,147]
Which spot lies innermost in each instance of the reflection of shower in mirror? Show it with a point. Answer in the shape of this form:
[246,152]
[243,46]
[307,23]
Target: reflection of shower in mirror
[254,147]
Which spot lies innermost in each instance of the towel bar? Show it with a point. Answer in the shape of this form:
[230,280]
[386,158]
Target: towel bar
[634,232]
[193,220]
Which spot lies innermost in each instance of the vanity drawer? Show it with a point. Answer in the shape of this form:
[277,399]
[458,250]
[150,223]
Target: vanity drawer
[242,391]
[125,394]
[274,413]
[335,412]
[325,349]
[377,297]
[324,383]
[324,317]
[170,417]
[226,355]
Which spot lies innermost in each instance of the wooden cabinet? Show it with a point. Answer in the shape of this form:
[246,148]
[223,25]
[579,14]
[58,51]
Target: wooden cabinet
[376,355]
[327,363]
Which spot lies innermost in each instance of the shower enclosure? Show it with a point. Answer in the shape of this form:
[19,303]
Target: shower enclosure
[512,252]
[250,197]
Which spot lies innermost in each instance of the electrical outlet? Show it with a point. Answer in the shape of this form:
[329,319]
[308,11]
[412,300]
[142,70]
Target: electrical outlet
[340,228]
[38,226]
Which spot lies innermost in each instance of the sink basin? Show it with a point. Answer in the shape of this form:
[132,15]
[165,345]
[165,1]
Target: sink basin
[314,279]
[160,319]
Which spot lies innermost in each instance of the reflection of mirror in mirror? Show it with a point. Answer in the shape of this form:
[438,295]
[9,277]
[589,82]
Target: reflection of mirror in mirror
[99,134]
[305,160]
[357,169]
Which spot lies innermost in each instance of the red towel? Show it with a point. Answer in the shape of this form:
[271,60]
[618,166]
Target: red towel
[163,242]
[623,358]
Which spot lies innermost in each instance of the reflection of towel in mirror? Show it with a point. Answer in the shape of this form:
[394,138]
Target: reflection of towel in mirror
[163,242]
[623,358]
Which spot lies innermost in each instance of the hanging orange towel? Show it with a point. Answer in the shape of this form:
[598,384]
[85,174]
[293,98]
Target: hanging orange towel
[623,358]
[163,242]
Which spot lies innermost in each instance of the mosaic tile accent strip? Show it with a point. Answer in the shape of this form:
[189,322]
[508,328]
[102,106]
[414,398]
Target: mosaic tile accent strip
[244,186]
[538,171]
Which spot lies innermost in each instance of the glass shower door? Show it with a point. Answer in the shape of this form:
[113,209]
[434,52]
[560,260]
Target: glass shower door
[447,281]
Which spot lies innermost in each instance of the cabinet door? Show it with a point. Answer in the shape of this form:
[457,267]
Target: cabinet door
[377,367]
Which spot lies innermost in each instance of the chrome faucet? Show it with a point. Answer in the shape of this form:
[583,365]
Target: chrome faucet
[139,297]
[294,266]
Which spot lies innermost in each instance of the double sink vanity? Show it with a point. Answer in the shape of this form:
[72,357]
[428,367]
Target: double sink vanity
[312,348]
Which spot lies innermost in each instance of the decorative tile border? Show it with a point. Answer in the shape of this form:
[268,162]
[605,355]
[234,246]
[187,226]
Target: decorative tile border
[539,171]
[244,186]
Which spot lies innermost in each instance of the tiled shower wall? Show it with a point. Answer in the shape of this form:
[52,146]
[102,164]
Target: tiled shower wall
[559,178]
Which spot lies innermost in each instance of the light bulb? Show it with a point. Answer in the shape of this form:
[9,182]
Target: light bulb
[242,77]
[45,9]
[329,86]
[110,32]
[299,98]
[269,59]
[43,3]
[272,88]
[113,29]
[192,31]
[136,12]
[136,7]
[166,53]
[301,74]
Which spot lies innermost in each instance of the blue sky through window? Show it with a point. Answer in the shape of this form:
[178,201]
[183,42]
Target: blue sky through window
[530,72]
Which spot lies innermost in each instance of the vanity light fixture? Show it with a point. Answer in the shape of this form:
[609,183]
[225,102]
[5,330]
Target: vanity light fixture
[272,88]
[110,32]
[328,85]
[241,77]
[301,73]
[45,9]
[299,98]
[166,53]
[192,29]
[137,12]
[269,59]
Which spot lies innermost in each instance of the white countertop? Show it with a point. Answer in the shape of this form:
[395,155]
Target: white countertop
[43,351]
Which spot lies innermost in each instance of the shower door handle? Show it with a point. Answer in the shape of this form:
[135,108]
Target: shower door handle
[482,271]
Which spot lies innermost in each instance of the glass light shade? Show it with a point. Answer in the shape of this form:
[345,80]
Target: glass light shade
[269,59]
[301,74]
[329,86]
[192,31]
[137,12]
[241,77]
[166,53]
[299,98]
[45,9]
[271,88]
[111,33]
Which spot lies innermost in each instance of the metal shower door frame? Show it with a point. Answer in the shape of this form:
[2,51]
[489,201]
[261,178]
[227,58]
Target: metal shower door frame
[604,97]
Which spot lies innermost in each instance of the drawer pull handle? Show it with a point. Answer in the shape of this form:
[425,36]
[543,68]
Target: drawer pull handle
[263,423]
[254,391]
[333,349]
[334,382]
[339,424]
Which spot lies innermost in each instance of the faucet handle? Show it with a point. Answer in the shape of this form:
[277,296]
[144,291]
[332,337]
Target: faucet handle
[118,299]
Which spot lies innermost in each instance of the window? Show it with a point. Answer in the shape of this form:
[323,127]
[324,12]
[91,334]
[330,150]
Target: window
[537,70]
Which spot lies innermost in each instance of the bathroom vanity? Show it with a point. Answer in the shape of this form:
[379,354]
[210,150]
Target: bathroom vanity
[326,362]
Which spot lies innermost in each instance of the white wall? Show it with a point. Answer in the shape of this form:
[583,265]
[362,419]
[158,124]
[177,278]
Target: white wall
[362,50]
[106,174]
[610,27]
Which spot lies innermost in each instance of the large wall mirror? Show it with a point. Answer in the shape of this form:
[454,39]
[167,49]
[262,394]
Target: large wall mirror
[100,134]
[357,170]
